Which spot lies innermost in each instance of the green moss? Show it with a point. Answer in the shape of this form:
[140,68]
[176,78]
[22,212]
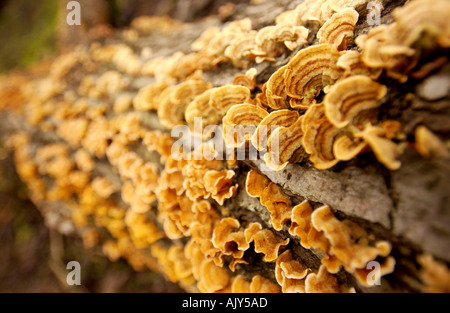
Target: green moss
[27,31]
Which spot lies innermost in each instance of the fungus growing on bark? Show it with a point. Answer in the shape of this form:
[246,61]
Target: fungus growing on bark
[352,64]
[247,79]
[148,98]
[255,183]
[318,137]
[338,30]
[275,90]
[278,204]
[346,148]
[283,118]
[434,274]
[260,284]
[310,71]
[268,243]
[220,185]
[228,241]
[283,144]
[290,273]
[174,101]
[429,145]
[384,149]
[350,96]
[347,243]
[240,122]
[324,282]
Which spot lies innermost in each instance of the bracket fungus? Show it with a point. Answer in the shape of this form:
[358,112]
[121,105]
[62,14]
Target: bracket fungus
[148,97]
[429,145]
[435,275]
[268,243]
[283,144]
[338,30]
[97,142]
[240,285]
[278,118]
[173,103]
[348,97]
[212,277]
[275,90]
[240,122]
[310,71]
[324,282]
[103,187]
[223,98]
[385,150]
[271,39]
[346,148]
[260,284]
[84,161]
[278,204]
[347,243]
[247,79]
[419,20]
[239,47]
[318,137]
[73,130]
[200,108]
[352,64]
[212,105]
[255,183]
[266,49]
[290,273]
[302,227]
[398,47]
[271,196]
[219,184]
[224,237]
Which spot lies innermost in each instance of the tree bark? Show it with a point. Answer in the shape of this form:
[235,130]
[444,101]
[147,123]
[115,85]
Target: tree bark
[409,207]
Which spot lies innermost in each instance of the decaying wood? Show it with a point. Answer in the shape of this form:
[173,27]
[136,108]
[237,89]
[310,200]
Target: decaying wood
[409,207]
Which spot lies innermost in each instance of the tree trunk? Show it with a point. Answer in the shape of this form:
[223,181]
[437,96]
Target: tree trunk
[69,103]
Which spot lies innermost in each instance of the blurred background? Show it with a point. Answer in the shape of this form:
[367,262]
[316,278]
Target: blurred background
[32,31]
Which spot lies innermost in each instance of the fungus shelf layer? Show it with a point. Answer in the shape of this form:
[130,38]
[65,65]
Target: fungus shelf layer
[352,163]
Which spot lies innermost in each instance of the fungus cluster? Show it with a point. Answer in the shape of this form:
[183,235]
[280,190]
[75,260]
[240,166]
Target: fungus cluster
[295,277]
[397,48]
[341,243]
[112,169]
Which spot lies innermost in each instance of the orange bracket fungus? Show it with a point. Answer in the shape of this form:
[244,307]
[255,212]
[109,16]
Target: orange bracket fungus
[318,137]
[283,118]
[255,183]
[282,144]
[94,142]
[429,145]
[350,96]
[310,71]
[384,149]
[338,30]
[240,122]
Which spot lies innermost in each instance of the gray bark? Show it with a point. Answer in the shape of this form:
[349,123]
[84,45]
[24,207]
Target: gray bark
[409,207]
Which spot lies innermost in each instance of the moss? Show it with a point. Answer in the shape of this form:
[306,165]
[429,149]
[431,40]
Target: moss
[27,29]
